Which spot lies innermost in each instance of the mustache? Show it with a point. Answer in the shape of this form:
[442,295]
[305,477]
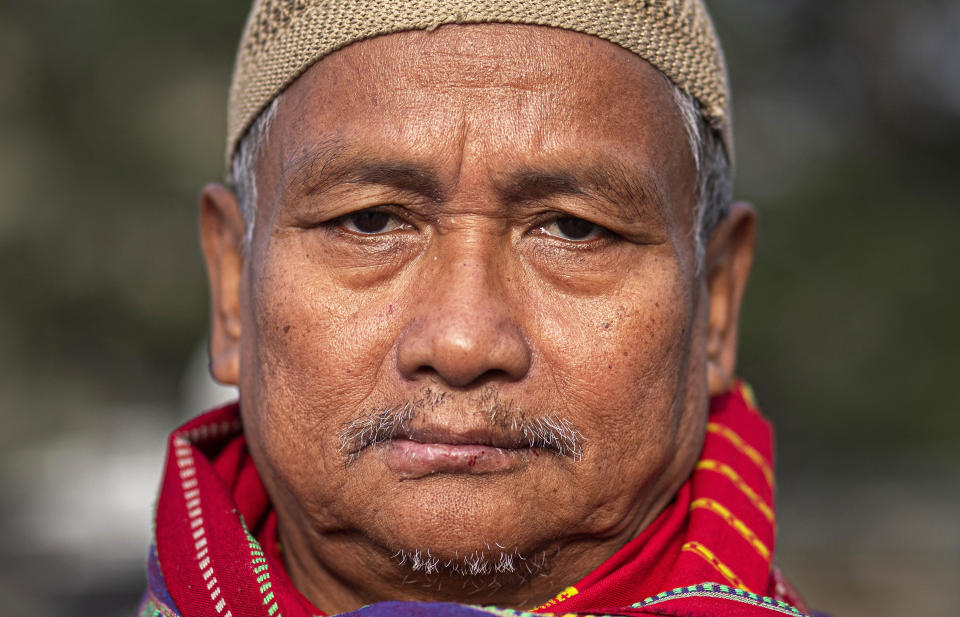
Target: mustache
[510,422]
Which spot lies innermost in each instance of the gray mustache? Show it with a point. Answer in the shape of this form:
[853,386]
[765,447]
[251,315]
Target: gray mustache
[549,432]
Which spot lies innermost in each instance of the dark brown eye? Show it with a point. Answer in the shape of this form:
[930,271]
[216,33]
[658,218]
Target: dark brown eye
[572,228]
[370,222]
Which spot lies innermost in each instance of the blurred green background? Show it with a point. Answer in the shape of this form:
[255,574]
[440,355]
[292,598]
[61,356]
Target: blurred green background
[847,119]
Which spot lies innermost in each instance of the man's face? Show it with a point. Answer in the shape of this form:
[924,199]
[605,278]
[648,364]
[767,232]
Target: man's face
[469,235]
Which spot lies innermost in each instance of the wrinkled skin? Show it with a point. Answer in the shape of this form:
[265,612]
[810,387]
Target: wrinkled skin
[484,146]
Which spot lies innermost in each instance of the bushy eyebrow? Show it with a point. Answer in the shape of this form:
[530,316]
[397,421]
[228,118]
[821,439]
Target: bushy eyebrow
[607,182]
[318,171]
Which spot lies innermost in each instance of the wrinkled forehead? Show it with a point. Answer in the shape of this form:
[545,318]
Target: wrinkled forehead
[511,94]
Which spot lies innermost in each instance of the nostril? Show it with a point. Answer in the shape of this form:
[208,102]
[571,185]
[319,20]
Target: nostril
[462,380]
[491,376]
[475,344]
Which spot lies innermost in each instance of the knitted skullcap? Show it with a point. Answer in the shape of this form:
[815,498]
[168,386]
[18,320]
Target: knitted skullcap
[282,38]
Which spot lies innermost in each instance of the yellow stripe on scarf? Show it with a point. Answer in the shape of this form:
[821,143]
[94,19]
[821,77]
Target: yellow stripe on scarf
[741,527]
[719,566]
[728,472]
[569,592]
[745,448]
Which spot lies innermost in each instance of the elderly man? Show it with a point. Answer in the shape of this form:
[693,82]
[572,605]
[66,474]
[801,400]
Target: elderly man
[478,282]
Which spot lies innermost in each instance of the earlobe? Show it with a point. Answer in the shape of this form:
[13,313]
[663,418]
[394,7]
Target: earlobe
[221,234]
[728,261]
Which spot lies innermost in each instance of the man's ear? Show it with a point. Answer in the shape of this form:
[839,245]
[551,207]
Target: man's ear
[221,233]
[728,259]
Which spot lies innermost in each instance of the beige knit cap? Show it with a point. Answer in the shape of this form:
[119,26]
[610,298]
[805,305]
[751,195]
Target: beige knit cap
[283,38]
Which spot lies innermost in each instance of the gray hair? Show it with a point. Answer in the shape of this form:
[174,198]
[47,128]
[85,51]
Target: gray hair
[550,432]
[243,168]
[714,175]
[492,562]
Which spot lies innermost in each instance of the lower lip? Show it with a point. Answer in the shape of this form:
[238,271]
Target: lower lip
[412,459]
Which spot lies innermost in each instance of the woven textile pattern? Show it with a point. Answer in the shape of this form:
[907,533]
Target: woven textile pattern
[710,552]
[283,38]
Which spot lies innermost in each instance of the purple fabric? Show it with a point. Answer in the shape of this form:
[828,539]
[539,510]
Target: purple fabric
[416,609]
[155,583]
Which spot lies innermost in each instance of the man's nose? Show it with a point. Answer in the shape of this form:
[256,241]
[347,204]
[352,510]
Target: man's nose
[464,331]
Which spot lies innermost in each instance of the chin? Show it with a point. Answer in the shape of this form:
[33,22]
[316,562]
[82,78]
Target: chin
[454,518]
[480,564]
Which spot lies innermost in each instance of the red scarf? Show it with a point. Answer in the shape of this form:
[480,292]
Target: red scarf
[709,553]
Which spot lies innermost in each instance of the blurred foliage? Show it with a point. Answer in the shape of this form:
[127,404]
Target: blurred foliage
[112,117]
[848,122]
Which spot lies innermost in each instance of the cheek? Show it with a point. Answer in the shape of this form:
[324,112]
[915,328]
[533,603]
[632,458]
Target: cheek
[315,353]
[625,347]
[619,364]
